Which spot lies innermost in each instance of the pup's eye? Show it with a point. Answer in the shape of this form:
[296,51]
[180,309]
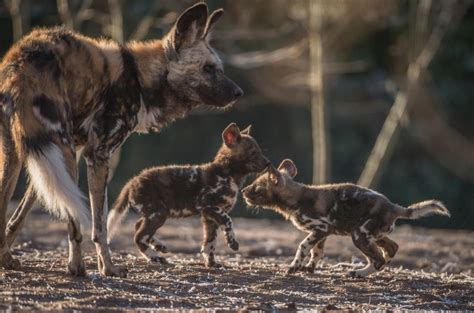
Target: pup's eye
[209,68]
[259,189]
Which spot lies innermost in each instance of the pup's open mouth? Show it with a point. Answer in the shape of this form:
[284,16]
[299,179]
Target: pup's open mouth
[249,202]
[250,205]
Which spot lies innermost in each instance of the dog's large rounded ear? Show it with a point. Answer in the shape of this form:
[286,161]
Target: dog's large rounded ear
[211,21]
[246,131]
[231,135]
[190,26]
[275,175]
[288,166]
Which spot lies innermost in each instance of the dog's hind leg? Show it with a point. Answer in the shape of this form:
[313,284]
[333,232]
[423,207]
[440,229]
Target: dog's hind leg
[389,248]
[365,241]
[18,218]
[10,167]
[76,266]
[146,243]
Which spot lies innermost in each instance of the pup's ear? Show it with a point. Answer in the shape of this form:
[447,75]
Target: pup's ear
[211,21]
[289,167]
[246,131]
[231,135]
[190,26]
[275,175]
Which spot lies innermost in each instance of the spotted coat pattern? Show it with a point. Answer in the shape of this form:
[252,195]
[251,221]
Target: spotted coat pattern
[62,92]
[337,209]
[209,190]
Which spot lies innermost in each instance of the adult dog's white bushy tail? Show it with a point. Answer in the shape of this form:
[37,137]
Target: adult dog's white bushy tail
[423,208]
[55,187]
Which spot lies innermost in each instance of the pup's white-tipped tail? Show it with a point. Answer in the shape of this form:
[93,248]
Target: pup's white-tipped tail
[117,212]
[424,208]
[54,185]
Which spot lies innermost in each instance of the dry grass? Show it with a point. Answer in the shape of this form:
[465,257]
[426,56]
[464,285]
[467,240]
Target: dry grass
[432,270]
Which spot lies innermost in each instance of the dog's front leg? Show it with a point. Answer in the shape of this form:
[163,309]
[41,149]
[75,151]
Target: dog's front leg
[18,217]
[223,219]
[208,247]
[97,173]
[304,248]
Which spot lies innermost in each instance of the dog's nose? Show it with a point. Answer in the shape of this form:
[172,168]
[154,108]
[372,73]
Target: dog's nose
[238,92]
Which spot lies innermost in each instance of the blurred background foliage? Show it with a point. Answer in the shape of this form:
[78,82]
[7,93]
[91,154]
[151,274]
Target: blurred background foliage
[403,66]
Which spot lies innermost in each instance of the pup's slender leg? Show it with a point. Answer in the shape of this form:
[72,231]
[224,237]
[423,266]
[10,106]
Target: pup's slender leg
[145,229]
[366,243]
[389,247]
[222,219]
[18,218]
[316,254]
[304,248]
[208,247]
[10,166]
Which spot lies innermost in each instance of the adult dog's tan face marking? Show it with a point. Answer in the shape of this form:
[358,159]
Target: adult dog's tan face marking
[194,67]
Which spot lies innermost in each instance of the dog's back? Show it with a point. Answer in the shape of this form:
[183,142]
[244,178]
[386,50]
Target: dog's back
[174,188]
[41,77]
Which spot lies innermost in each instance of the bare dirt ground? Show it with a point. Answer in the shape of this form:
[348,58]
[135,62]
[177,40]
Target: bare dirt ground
[433,270]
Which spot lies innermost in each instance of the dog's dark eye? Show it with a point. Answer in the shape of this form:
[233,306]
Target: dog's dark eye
[209,68]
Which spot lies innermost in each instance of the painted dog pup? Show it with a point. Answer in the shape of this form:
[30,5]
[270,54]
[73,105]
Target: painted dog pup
[341,209]
[175,191]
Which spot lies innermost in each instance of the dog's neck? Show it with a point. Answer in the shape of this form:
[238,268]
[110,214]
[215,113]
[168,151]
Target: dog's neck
[160,104]
[293,197]
[226,166]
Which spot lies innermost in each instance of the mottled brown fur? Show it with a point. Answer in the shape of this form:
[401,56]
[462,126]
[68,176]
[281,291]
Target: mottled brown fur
[61,92]
[176,191]
[340,209]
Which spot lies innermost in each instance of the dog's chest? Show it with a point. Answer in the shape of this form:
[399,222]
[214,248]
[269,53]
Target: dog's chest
[310,224]
[223,194]
[116,111]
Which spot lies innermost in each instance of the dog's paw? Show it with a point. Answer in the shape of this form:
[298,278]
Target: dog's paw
[160,260]
[234,245]
[213,264]
[309,269]
[9,263]
[291,270]
[361,273]
[77,269]
[160,248]
[114,271]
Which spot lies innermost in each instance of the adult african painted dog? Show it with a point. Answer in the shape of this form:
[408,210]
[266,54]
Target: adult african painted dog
[209,190]
[61,92]
[342,209]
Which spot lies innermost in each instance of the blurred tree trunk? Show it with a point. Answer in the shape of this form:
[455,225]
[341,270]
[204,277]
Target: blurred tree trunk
[116,17]
[387,137]
[65,13]
[19,13]
[318,112]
